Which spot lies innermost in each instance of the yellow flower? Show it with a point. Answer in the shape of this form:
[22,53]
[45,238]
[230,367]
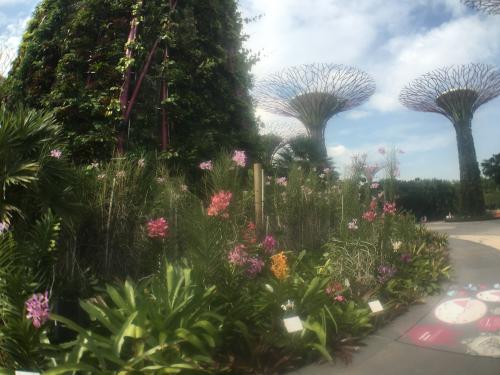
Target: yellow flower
[279,266]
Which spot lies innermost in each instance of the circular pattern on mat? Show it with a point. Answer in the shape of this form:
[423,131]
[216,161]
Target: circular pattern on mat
[460,311]
[492,295]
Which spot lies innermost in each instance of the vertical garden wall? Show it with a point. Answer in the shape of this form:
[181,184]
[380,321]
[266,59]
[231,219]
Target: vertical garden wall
[73,60]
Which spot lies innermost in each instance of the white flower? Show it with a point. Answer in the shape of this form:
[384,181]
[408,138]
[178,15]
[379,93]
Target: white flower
[396,245]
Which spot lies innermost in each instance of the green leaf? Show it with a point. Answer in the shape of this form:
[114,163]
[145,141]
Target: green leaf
[120,337]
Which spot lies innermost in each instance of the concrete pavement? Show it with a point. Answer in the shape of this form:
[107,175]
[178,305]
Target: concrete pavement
[474,263]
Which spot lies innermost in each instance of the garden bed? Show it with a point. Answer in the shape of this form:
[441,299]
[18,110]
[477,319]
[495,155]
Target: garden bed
[181,279]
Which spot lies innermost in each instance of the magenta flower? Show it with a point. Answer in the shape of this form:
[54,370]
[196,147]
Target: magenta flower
[37,308]
[385,273]
[56,153]
[240,158]
[282,181]
[157,228]
[238,256]
[269,244]
[390,208]
[370,216]
[220,202]
[206,165]
[254,267]
[406,258]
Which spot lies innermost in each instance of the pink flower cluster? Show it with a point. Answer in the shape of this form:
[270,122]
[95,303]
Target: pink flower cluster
[374,185]
[334,291]
[157,228]
[370,216]
[37,308]
[238,256]
[206,165]
[390,208]
[56,153]
[281,181]
[240,158]
[220,202]
[254,267]
[269,244]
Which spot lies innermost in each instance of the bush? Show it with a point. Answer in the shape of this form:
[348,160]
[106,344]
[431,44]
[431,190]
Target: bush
[431,198]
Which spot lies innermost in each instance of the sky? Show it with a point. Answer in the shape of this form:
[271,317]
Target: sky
[394,41]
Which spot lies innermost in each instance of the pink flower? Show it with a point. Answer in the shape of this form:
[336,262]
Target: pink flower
[390,208]
[374,185]
[370,216]
[333,288]
[240,158]
[206,165]
[371,170]
[269,244]
[254,267]
[353,225]
[37,308]
[373,204]
[238,256]
[56,153]
[157,228]
[219,204]
[4,227]
[282,181]
[250,234]
[339,298]
[381,150]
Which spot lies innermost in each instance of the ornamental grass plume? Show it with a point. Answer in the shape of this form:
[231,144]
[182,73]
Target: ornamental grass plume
[157,228]
[240,158]
[279,266]
[37,308]
[219,203]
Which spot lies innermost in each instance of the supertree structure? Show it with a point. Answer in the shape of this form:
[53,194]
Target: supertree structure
[457,92]
[313,94]
[488,6]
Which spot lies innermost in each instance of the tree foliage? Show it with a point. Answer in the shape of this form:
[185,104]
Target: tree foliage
[72,60]
[491,168]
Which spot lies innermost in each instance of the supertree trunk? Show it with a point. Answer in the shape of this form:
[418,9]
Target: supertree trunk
[471,196]
[317,134]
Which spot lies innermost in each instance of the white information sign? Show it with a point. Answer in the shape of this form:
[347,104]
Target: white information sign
[293,324]
[375,306]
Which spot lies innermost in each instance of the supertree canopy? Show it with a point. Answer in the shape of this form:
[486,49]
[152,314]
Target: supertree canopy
[488,6]
[314,93]
[457,92]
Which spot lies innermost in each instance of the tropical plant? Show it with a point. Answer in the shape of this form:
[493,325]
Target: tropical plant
[491,168]
[163,324]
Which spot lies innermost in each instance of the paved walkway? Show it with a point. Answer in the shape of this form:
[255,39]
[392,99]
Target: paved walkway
[473,263]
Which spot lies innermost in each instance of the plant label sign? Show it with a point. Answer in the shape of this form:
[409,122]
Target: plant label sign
[293,324]
[375,306]
[25,373]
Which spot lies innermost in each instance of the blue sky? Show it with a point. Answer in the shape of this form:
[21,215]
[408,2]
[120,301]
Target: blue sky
[393,40]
